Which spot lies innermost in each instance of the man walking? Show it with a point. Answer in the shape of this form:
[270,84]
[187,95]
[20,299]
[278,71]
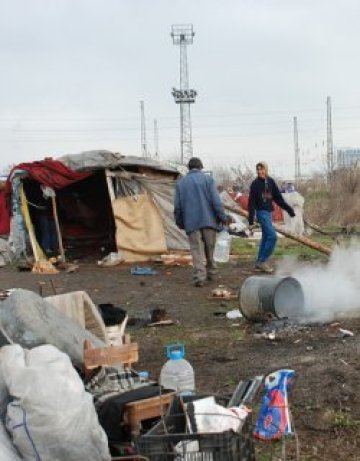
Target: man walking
[263,191]
[199,211]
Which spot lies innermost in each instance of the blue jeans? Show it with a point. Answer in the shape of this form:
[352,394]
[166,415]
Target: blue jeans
[48,236]
[268,238]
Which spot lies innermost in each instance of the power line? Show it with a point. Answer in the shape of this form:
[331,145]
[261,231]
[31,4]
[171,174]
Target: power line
[284,112]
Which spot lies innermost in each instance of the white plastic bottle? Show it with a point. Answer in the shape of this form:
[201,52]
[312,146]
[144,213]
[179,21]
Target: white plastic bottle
[177,373]
[222,247]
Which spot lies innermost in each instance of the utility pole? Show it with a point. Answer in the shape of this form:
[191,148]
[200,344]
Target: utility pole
[144,152]
[330,147]
[296,152]
[183,35]
[156,140]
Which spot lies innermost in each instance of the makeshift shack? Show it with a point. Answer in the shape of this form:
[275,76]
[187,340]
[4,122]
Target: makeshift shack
[104,202]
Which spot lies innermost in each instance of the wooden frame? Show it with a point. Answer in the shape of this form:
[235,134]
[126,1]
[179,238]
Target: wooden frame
[127,354]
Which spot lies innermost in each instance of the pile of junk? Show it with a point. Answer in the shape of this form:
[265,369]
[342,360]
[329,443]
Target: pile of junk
[69,392]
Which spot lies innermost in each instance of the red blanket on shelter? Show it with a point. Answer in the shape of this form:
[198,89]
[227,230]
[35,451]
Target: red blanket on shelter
[4,215]
[51,173]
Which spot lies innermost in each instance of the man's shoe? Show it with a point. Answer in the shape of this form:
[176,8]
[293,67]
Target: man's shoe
[199,283]
[264,267]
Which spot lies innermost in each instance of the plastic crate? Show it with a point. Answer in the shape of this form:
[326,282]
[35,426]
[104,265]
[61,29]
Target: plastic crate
[168,440]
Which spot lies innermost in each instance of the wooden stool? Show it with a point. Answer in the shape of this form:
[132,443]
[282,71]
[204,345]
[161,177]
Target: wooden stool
[141,410]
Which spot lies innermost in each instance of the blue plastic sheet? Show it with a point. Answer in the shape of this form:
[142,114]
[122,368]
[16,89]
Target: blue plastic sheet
[143,271]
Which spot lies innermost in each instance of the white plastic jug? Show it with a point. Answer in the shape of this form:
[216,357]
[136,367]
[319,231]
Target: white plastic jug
[177,373]
[222,247]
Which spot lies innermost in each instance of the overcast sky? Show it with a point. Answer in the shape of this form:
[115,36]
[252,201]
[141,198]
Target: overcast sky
[73,73]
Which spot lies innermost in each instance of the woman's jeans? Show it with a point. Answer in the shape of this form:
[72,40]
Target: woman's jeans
[268,238]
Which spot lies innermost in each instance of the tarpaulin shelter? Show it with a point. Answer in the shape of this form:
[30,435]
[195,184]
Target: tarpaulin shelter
[106,202]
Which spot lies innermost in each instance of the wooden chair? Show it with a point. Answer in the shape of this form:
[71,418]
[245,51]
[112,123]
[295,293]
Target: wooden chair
[127,354]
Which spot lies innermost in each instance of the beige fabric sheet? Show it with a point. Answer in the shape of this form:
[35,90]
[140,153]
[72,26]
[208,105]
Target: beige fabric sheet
[163,193]
[139,228]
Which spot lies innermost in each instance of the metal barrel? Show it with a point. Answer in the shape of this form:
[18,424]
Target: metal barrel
[262,297]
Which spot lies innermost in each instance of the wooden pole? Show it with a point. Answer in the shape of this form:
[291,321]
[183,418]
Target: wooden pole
[58,232]
[319,230]
[28,223]
[298,238]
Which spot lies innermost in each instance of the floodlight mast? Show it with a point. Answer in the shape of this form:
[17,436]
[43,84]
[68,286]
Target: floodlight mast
[183,35]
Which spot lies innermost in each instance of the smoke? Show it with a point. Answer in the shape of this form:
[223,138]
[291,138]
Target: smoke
[332,290]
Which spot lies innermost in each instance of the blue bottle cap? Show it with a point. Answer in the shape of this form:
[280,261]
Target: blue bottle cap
[176,354]
[175,347]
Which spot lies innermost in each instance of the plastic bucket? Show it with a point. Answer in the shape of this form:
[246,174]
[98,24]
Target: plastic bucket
[262,297]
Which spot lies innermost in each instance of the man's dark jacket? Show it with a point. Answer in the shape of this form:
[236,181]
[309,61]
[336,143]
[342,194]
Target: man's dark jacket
[197,203]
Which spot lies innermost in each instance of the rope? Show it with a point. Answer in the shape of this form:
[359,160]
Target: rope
[27,432]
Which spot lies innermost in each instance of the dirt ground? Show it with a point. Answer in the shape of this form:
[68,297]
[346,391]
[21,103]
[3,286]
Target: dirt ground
[325,401]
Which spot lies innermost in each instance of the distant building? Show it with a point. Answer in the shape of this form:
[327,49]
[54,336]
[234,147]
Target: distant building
[347,158]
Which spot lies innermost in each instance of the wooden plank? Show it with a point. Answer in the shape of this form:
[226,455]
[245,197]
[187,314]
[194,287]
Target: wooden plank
[112,355]
[223,298]
[25,210]
[156,401]
[57,226]
[297,238]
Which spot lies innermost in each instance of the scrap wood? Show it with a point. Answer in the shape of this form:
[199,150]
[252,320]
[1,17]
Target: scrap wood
[57,226]
[111,355]
[44,267]
[318,229]
[222,293]
[160,317]
[176,259]
[223,298]
[161,323]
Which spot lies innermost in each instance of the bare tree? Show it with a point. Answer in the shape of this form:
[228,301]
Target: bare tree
[223,176]
[244,176]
